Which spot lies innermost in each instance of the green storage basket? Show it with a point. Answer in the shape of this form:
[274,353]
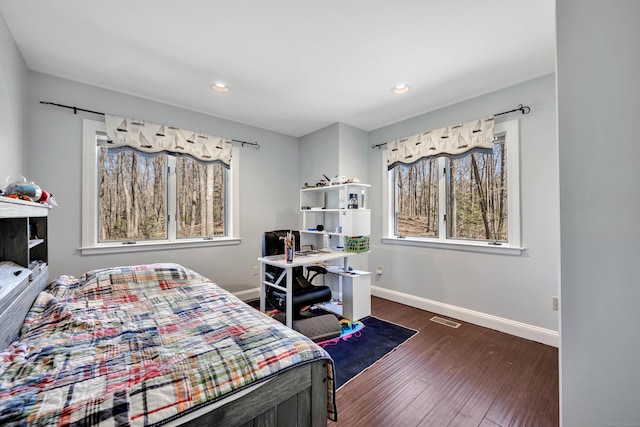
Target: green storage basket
[356,244]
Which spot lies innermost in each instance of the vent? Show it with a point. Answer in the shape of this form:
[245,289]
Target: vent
[445,322]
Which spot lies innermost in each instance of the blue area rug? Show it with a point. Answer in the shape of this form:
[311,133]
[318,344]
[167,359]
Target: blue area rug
[355,352]
[361,343]
[347,327]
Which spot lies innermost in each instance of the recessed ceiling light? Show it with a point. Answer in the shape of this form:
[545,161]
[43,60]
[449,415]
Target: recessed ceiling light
[220,87]
[401,88]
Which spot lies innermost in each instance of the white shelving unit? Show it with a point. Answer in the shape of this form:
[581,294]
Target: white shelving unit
[330,207]
[342,211]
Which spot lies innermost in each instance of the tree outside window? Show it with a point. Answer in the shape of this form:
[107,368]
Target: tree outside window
[477,196]
[133,195]
[134,190]
[417,199]
[201,198]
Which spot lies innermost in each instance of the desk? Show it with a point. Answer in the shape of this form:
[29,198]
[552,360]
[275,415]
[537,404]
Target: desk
[298,260]
[355,295]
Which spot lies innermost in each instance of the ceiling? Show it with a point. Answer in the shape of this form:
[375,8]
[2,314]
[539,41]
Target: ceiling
[292,66]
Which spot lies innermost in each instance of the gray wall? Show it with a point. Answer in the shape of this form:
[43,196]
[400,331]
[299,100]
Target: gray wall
[268,197]
[518,288]
[353,153]
[319,153]
[336,150]
[13,123]
[598,91]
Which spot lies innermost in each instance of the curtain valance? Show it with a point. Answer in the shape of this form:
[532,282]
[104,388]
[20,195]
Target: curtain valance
[154,138]
[449,141]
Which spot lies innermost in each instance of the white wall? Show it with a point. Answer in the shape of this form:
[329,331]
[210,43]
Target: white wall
[268,197]
[353,153]
[13,123]
[336,150]
[514,288]
[319,153]
[598,92]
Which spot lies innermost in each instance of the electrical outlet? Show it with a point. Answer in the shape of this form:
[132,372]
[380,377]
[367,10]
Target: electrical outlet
[255,270]
[379,271]
[554,303]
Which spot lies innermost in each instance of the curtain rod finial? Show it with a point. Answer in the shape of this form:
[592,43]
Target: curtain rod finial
[523,108]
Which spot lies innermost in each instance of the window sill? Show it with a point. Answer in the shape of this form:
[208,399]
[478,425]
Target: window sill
[111,248]
[482,247]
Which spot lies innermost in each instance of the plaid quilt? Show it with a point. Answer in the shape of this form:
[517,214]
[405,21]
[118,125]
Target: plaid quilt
[139,346]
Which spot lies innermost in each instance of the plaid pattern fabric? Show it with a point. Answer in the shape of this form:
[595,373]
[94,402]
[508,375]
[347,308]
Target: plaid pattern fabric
[137,346]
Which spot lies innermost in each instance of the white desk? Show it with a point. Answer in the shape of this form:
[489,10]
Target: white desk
[298,260]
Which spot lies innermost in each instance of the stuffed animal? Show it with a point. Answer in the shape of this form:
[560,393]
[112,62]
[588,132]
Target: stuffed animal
[19,188]
[24,190]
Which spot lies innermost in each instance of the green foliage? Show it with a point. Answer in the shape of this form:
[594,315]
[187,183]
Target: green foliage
[153,228]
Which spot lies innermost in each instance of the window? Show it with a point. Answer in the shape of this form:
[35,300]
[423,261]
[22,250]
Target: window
[416,199]
[201,189]
[470,201]
[476,194]
[134,201]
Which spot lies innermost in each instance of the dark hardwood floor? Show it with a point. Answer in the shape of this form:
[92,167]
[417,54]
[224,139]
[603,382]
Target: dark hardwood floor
[470,376]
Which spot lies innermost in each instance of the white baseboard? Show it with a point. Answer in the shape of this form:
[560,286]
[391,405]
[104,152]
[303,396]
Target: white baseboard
[248,294]
[512,327]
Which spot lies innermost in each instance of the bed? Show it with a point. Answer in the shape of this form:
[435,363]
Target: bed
[159,344]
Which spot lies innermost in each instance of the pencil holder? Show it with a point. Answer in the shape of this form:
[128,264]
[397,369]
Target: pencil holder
[288,253]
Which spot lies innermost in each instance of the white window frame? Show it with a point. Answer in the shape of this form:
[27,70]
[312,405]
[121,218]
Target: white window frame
[512,246]
[90,243]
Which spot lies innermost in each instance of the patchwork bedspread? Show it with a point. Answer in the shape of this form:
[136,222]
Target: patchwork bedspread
[137,346]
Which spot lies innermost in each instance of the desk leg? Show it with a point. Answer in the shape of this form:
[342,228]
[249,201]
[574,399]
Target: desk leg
[289,304]
[263,290]
[345,268]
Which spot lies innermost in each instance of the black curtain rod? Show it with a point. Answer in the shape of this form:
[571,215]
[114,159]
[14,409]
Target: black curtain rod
[522,108]
[255,144]
[76,109]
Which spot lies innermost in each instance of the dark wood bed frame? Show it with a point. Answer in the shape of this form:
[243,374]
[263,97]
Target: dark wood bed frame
[297,397]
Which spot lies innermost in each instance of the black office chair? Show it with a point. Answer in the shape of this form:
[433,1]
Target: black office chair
[304,292]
